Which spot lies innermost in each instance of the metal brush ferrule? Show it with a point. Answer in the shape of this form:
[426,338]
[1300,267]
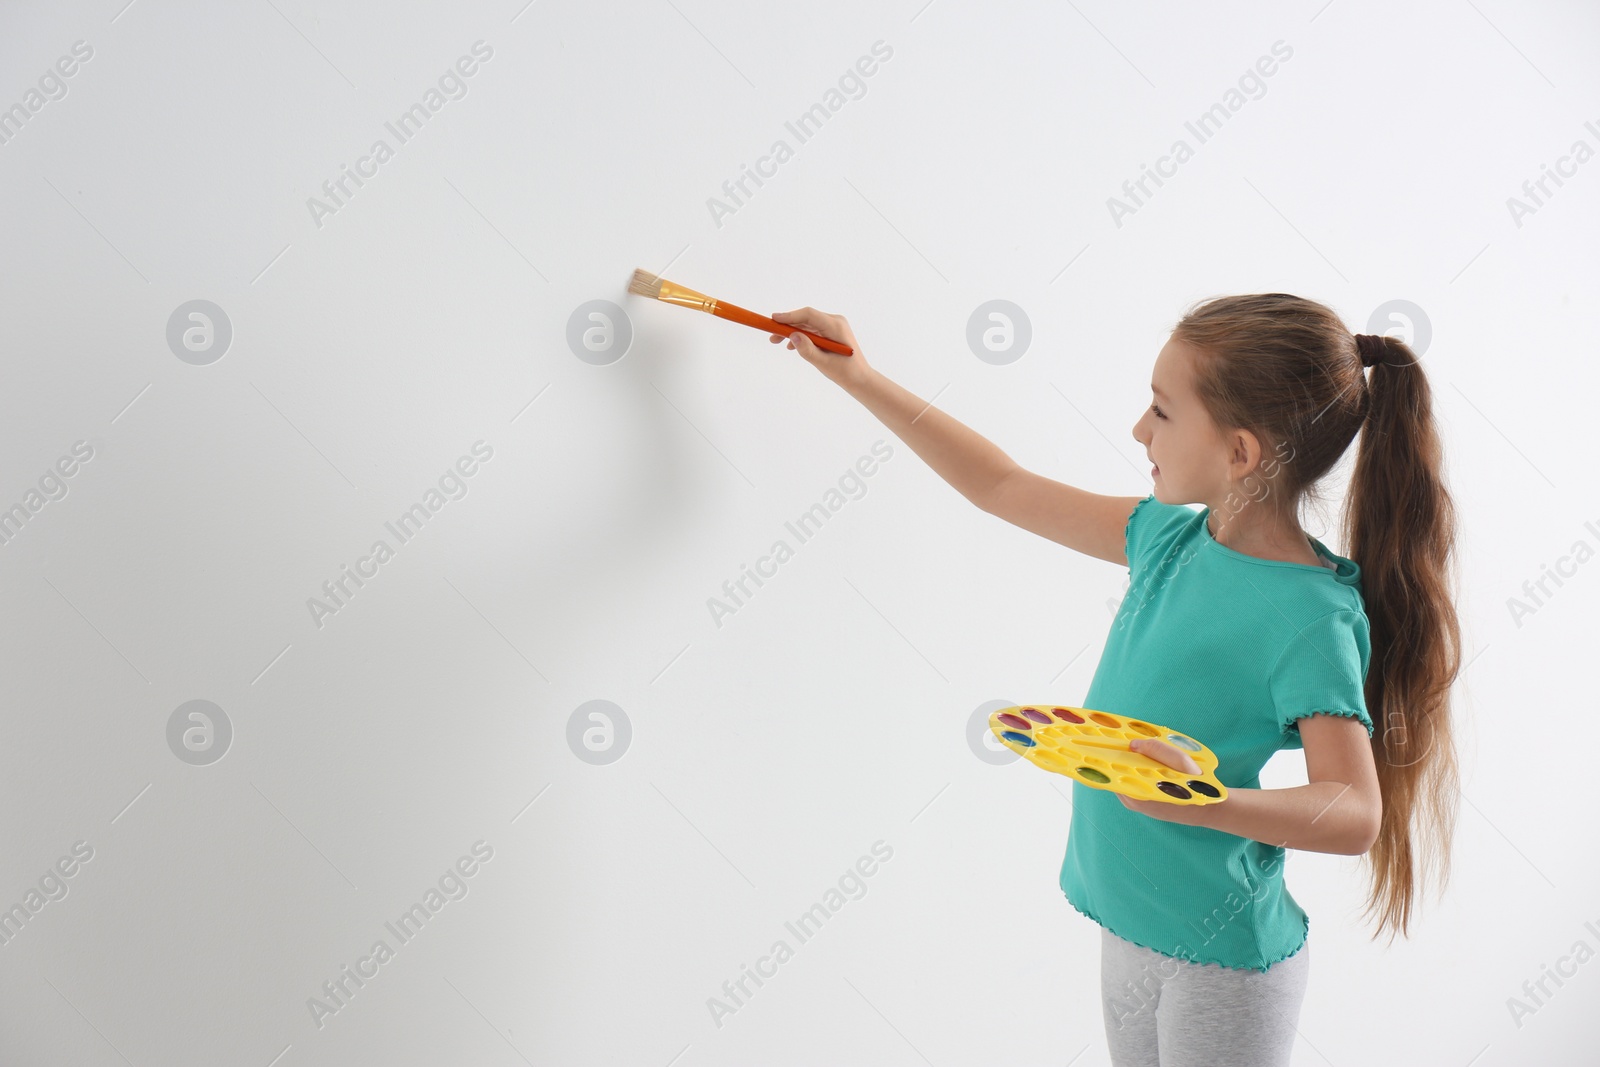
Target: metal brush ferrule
[685,297]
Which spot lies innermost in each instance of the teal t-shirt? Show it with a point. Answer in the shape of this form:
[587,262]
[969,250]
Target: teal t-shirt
[1231,650]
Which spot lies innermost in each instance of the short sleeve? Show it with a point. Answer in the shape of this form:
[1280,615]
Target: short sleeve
[1322,670]
[1151,526]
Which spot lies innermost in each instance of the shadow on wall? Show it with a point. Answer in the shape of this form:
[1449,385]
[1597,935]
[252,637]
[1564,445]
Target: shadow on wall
[607,499]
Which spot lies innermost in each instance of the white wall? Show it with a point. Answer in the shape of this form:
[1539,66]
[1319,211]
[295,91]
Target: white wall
[374,345]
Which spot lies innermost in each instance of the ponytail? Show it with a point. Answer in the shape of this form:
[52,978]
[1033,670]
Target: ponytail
[1400,527]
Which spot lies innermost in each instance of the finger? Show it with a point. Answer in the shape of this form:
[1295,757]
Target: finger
[1171,755]
[802,344]
[1145,748]
[1186,763]
[808,317]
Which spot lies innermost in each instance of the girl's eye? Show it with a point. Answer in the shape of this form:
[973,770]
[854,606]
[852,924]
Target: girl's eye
[1157,411]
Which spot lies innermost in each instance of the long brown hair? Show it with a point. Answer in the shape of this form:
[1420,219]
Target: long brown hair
[1289,371]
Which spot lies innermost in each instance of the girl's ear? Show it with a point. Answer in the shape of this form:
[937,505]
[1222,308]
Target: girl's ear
[1243,450]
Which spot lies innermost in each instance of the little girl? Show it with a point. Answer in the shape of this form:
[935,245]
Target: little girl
[1241,630]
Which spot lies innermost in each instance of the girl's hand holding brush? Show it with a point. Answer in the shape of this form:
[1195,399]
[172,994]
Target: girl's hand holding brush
[847,371]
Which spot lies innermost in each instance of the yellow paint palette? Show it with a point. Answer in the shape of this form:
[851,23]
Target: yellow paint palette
[1092,747]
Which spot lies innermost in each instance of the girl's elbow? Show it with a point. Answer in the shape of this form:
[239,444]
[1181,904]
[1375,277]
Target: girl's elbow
[1370,830]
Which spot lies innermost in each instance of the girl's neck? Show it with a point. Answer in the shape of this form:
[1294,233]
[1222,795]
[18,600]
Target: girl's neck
[1276,543]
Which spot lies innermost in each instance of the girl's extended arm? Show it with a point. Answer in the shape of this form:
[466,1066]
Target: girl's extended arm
[1085,522]
[1337,812]
[970,462]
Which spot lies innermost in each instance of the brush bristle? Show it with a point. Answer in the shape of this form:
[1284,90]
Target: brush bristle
[645,284]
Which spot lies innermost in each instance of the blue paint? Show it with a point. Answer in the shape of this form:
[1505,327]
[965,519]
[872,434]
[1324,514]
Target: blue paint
[1022,739]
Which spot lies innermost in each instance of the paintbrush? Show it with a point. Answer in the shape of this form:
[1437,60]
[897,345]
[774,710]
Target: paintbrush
[646,284]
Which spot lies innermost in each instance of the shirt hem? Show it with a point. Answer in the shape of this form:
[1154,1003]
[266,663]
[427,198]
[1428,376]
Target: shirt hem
[1347,713]
[1127,527]
[1305,933]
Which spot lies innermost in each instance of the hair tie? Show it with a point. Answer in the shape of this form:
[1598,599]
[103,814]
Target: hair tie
[1371,348]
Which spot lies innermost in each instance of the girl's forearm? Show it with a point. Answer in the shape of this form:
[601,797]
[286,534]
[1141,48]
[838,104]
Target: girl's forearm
[970,462]
[1320,817]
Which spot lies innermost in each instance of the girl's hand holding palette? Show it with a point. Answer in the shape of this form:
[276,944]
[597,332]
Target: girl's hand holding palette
[1093,747]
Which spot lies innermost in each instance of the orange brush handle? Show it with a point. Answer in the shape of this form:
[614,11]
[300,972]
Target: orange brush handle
[735,313]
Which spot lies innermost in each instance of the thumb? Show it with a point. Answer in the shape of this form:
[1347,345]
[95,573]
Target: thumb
[1162,752]
[803,344]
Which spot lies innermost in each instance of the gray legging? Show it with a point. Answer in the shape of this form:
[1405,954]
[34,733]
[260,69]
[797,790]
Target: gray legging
[1162,1011]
